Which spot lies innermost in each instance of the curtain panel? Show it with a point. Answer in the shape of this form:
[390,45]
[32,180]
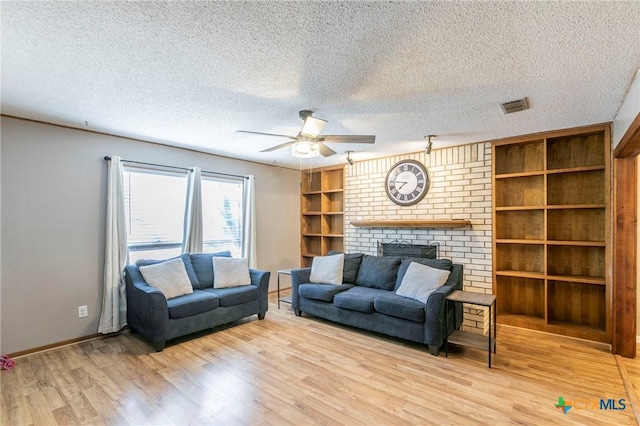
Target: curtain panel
[114,304]
[249,226]
[192,235]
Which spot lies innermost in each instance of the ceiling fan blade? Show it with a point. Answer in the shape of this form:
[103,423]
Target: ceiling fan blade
[313,126]
[349,138]
[267,134]
[282,145]
[325,151]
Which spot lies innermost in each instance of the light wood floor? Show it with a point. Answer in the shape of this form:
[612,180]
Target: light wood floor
[290,370]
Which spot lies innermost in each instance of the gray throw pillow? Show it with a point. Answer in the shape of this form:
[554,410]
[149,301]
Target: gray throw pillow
[327,269]
[420,281]
[378,272]
[444,264]
[193,277]
[352,263]
[169,277]
[230,272]
[203,267]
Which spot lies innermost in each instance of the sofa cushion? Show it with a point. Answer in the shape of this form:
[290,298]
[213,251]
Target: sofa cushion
[170,277]
[358,299]
[420,281]
[378,272]
[400,307]
[327,269]
[445,264]
[187,264]
[191,304]
[203,267]
[235,295]
[324,292]
[352,263]
[230,272]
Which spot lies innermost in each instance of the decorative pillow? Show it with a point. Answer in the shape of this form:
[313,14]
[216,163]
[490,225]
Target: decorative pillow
[445,264]
[230,272]
[193,277]
[420,281]
[351,266]
[378,272]
[169,277]
[327,269]
[203,267]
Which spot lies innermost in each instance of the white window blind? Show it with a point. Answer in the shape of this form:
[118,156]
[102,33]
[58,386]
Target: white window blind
[154,212]
[222,214]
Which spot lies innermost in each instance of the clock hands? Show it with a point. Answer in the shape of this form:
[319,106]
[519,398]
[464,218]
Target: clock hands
[399,181]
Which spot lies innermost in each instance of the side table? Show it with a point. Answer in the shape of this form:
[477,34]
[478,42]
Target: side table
[472,339]
[283,299]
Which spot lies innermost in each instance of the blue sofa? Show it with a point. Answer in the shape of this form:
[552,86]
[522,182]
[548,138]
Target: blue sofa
[367,299]
[157,319]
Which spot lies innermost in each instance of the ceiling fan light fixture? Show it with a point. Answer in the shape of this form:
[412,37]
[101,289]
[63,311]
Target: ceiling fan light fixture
[312,126]
[305,149]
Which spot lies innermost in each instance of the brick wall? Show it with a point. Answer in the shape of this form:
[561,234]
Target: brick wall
[460,188]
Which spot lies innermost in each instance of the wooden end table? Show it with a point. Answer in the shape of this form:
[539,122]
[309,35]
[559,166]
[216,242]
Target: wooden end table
[471,339]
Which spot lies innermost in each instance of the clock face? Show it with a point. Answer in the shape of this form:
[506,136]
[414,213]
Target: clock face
[407,182]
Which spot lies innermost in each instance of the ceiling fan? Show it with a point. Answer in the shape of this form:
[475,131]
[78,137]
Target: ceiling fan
[308,142]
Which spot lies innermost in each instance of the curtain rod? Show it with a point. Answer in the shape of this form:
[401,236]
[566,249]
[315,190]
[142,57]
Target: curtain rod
[107,158]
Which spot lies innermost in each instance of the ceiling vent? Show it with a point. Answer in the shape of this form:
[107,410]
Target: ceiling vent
[514,106]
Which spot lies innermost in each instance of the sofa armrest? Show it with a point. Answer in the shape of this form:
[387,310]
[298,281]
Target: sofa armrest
[435,309]
[147,311]
[260,279]
[298,276]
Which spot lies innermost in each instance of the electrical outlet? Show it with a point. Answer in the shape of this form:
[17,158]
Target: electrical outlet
[83,311]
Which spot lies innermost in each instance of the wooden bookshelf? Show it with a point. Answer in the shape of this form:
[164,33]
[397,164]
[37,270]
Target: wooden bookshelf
[321,212]
[551,225]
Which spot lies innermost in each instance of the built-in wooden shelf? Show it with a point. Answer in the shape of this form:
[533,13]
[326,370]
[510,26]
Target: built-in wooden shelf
[321,212]
[551,220]
[455,223]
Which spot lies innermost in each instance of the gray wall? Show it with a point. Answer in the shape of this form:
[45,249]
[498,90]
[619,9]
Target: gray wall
[53,200]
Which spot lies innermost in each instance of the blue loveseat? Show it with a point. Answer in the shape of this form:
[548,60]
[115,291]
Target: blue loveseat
[159,319]
[366,299]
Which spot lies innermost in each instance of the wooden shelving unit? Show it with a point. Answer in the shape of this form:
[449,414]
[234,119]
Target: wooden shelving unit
[322,212]
[551,225]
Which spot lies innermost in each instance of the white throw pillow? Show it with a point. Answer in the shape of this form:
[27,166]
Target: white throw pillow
[327,269]
[230,272]
[420,281]
[169,277]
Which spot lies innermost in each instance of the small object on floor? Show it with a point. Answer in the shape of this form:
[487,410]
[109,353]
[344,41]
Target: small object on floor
[6,363]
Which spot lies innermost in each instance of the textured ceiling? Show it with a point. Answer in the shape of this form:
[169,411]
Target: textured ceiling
[191,74]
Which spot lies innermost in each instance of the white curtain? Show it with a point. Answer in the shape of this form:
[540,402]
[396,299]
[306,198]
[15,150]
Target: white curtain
[249,225]
[114,302]
[192,231]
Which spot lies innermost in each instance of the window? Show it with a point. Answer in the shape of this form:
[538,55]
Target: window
[222,215]
[154,204]
[155,207]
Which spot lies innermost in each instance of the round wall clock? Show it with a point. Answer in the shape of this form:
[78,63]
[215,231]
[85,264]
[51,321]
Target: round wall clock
[407,182]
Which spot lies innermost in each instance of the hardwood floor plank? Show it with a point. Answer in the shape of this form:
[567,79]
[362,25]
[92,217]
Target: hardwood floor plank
[39,409]
[65,416]
[302,370]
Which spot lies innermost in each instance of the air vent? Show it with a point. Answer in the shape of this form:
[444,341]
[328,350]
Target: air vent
[514,106]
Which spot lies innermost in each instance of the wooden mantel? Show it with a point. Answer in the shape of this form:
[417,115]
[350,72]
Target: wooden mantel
[441,223]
